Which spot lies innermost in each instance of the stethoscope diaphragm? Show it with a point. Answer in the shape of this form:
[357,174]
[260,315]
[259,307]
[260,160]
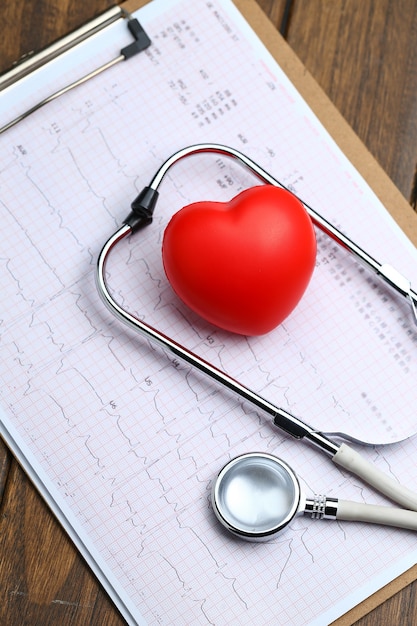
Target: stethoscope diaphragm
[256,495]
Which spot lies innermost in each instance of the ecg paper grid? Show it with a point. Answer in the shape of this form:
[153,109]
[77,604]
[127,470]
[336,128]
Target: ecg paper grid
[127,438]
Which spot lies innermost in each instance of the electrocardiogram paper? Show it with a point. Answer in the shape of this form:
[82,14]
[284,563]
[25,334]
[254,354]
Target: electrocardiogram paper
[130,438]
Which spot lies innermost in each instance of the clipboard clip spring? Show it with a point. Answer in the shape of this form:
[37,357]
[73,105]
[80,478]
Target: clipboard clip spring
[140,43]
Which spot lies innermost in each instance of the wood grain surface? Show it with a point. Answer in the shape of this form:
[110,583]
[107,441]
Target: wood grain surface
[363,53]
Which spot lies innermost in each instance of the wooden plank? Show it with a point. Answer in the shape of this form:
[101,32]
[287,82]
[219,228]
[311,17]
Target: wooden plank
[31,26]
[43,580]
[363,54]
[5,462]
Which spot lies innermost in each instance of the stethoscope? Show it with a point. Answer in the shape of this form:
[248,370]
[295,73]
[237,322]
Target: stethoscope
[256,495]
[265,481]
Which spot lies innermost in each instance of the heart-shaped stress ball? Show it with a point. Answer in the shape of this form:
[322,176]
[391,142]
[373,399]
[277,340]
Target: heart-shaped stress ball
[242,265]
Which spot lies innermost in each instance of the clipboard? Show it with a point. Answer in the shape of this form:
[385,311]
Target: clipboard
[340,131]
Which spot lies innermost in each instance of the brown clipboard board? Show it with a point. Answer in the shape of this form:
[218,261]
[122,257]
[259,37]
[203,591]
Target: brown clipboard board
[361,159]
[367,166]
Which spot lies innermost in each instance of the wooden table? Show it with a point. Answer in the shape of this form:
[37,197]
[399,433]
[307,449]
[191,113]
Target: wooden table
[363,53]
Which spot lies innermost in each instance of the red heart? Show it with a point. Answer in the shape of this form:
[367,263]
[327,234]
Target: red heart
[242,265]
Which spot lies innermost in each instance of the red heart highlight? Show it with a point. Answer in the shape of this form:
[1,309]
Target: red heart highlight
[242,265]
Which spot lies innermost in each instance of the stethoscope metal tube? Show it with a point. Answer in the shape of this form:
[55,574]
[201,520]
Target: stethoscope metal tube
[342,455]
[390,275]
[284,420]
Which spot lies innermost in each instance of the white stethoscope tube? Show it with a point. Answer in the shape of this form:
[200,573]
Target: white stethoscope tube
[256,495]
[344,456]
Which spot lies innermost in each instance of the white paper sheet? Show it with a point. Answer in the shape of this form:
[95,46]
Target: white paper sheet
[126,439]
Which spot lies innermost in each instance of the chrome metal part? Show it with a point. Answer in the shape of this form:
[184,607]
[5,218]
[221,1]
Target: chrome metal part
[255,496]
[61,92]
[34,61]
[321,507]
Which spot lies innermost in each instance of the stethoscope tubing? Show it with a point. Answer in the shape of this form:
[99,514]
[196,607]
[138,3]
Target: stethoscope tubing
[291,424]
[341,454]
[376,514]
[387,273]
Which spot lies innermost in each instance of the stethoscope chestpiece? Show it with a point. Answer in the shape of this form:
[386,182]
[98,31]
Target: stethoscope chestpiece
[255,495]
